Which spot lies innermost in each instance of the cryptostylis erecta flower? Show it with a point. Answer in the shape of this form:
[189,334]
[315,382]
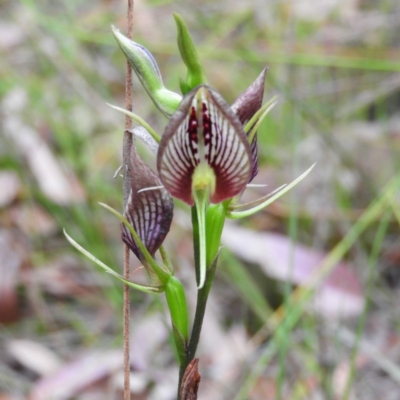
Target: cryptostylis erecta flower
[204,156]
[204,147]
[145,224]
[149,210]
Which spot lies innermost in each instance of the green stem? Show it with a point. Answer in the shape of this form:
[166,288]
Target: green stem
[202,297]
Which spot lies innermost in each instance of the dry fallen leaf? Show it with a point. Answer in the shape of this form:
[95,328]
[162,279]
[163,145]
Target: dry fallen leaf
[76,375]
[55,181]
[63,277]
[12,250]
[10,185]
[33,220]
[34,356]
[147,336]
[340,295]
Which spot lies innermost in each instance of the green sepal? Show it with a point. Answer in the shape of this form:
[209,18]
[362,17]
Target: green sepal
[139,120]
[195,71]
[215,220]
[106,268]
[251,127]
[146,69]
[163,274]
[176,300]
[242,214]
[201,200]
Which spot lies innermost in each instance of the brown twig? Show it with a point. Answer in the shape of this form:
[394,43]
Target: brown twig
[126,315]
[126,151]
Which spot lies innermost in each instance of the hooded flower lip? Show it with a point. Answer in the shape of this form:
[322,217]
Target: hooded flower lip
[150,211]
[204,144]
[245,106]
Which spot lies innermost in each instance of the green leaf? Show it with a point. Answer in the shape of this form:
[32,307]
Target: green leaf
[106,268]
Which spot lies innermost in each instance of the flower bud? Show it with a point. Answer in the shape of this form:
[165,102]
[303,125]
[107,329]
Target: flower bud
[146,69]
[195,72]
[149,210]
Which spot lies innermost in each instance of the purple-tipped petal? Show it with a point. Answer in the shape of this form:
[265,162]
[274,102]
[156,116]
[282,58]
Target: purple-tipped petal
[245,106]
[250,101]
[204,130]
[150,212]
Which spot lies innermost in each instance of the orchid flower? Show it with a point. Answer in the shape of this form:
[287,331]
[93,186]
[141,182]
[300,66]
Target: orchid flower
[208,152]
[206,157]
[145,224]
[149,210]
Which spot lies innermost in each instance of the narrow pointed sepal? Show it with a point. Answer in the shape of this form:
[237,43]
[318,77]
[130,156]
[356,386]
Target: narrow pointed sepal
[107,269]
[204,134]
[139,120]
[149,211]
[245,106]
[250,101]
[242,214]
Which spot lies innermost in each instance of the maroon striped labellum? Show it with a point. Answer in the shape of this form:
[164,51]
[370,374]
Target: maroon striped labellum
[204,147]
[204,157]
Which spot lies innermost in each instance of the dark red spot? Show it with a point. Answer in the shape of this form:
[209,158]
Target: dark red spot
[206,125]
[192,128]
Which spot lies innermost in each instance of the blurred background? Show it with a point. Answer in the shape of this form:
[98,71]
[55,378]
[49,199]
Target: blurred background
[274,329]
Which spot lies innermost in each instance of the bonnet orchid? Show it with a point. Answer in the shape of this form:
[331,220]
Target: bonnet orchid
[149,210]
[208,152]
[146,221]
[206,157]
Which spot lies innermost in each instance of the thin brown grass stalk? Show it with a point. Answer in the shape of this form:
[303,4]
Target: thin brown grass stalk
[127,144]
